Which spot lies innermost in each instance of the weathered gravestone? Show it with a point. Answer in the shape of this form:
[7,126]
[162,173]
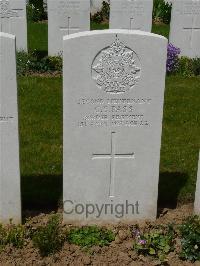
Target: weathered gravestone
[185,27]
[131,14]
[113,104]
[197,195]
[13,21]
[10,204]
[66,17]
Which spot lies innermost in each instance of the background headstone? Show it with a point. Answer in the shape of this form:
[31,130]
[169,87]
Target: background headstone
[66,17]
[197,195]
[45,5]
[185,27]
[113,105]
[10,202]
[13,21]
[131,14]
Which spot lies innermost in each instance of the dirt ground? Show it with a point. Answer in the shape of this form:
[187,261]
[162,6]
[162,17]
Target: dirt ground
[120,251]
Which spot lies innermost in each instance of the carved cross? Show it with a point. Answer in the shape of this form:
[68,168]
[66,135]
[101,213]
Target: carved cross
[69,27]
[112,156]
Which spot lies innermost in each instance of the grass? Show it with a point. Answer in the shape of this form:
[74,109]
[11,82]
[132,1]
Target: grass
[40,105]
[38,34]
[38,37]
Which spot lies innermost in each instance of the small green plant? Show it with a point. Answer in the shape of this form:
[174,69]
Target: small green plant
[15,235]
[103,14]
[28,63]
[162,11]
[190,239]
[35,11]
[188,67]
[2,237]
[90,236]
[196,66]
[49,239]
[157,243]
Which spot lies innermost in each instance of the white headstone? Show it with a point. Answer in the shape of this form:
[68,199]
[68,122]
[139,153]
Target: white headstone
[185,27]
[13,21]
[10,202]
[66,17]
[131,14]
[197,195]
[113,104]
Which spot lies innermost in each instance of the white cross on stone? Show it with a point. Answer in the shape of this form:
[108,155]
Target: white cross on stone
[112,156]
[69,27]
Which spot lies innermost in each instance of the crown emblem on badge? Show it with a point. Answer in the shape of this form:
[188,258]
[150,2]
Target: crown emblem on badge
[116,69]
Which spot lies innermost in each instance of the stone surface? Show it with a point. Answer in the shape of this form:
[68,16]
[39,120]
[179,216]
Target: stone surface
[10,202]
[185,27]
[64,18]
[13,21]
[131,14]
[197,195]
[113,104]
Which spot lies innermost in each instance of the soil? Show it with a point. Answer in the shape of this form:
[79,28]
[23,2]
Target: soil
[120,251]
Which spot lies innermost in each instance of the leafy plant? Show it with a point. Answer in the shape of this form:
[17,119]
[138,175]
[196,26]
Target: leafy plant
[162,11]
[12,235]
[190,239]
[185,67]
[90,236]
[2,237]
[35,11]
[188,67]
[103,14]
[196,66]
[49,239]
[157,243]
[15,235]
[32,62]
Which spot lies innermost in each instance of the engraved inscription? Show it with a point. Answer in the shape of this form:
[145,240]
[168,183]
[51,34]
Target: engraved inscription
[116,69]
[112,156]
[6,118]
[6,11]
[66,7]
[97,112]
[133,7]
[192,8]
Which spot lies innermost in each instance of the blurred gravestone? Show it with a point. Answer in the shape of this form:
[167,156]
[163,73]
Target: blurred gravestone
[66,17]
[185,27]
[13,21]
[131,14]
[10,202]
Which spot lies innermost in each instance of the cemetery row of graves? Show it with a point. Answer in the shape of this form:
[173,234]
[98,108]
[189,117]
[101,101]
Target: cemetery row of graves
[90,124]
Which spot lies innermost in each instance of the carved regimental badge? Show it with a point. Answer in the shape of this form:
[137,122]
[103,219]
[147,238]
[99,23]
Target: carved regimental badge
[5,11]
[116,69]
